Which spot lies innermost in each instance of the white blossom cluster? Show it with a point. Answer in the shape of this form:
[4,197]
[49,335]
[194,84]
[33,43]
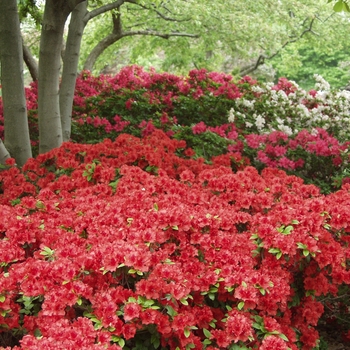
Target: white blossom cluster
[275,110]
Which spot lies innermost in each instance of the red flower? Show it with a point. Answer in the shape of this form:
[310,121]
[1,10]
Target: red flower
[131,311]
[239,326]
[273,343]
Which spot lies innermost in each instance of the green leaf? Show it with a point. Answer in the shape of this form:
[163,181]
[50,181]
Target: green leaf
[339,6]
[206,333]
[183,301]
[258,326]
[288,230]
[212,324]
[240,305]
[171,311]
[301,245]
[211,296]
[2,298]
[282,336]
[274,250]
[187,332]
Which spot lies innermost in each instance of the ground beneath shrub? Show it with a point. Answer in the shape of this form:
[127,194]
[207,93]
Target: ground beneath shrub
[333,339]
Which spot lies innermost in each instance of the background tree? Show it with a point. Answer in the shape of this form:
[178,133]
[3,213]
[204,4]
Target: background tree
[236,37]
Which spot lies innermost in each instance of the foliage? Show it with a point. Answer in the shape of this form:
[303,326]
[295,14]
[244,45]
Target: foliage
[340,5]
[304,60]
[224,29]
[113,244]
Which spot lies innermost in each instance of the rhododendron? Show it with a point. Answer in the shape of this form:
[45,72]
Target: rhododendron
[141,241]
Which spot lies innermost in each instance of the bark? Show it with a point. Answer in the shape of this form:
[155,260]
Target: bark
[79,19]
[31,63]
[70,67]
[17,140]
[55,16]
[4,154]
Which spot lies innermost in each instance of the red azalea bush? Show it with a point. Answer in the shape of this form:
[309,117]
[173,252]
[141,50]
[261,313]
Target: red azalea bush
[125,245]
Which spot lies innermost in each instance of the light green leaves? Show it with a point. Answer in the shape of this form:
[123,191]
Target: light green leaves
[48,253]
[340,5]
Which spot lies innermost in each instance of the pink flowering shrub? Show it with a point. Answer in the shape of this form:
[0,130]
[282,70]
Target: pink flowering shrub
[160,100]
[303,133]
[126,245]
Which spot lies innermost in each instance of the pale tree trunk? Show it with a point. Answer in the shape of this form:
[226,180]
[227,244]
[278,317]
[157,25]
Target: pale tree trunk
[4,154]
[80,17]
[17,140]
[50,132]
[70,67]
[55,16]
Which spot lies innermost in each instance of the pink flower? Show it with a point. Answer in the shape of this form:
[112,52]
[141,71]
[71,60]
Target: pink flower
[199,128]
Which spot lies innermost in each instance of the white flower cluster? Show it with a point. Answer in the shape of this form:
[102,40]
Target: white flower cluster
[275,110]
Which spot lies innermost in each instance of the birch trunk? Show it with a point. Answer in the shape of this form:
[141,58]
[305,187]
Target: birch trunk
[50,131]
[70,67]
[17,140]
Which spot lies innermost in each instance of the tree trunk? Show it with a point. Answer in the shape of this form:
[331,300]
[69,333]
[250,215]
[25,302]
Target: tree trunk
[4,154]
[17,140]
[70,67]
[50,132]
[30,62]
[55,16]
[80,17]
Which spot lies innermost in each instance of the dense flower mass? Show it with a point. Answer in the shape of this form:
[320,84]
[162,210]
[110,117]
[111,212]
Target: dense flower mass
[174,228]
[122,241]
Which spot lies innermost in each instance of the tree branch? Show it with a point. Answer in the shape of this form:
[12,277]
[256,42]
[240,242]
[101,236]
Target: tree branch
[261,59]
[166,18]
[117,23]
[30,62]
[114,37]
[105,8]
[161,35]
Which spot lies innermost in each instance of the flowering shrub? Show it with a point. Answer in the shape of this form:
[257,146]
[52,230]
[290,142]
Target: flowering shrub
[288,108]
[125,245]
[166,99]
[303,133]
